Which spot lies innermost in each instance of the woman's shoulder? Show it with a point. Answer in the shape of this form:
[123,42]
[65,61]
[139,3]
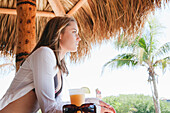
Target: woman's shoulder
[44,48]
[43,52]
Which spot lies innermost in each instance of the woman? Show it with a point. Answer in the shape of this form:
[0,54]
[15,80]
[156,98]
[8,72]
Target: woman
[39,83]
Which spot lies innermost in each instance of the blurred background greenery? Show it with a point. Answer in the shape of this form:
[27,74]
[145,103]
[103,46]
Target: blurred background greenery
[136,103]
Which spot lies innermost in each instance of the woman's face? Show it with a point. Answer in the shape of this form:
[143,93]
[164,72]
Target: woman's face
[69,40]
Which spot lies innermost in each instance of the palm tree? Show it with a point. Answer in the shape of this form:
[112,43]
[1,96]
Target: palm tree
[144,52]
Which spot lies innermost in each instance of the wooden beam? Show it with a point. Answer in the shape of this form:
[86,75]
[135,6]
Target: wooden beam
[14,12]
[8,11]
[45,14]
[57,7]
[76,7]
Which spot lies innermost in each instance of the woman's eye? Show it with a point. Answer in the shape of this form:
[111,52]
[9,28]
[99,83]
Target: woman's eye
[74,32]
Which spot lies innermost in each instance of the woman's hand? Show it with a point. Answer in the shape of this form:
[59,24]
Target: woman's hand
[106,108]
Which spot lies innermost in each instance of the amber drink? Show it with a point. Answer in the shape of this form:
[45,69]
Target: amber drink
[77,97]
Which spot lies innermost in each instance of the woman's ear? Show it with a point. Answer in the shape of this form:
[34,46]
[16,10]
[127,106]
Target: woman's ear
[60,36]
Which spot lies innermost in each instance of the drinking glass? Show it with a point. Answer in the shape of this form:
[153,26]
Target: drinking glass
[77,97]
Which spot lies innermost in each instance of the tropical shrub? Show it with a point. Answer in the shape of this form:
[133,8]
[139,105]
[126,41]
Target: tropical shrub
[134,103]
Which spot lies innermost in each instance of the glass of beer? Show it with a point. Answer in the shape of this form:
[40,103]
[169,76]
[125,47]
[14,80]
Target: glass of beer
[77,97]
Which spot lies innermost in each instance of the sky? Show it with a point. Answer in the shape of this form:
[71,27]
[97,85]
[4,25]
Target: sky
[112,82]
[124,80]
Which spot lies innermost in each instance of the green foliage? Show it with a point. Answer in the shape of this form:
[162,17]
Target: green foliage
[147,42]
[135,104]
[122,59]
[164,49]
[144,51]
[142,44]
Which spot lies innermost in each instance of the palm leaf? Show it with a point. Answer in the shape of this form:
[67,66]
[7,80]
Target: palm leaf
[163,63]
[143,49]
[142,44]
[163,50]
[140,55]
[123,43]
[155,27]
[121,60]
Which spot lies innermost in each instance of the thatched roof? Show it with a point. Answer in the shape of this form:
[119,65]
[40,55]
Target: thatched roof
[98,20]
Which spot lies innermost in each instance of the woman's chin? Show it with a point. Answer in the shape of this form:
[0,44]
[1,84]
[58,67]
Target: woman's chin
[73,50]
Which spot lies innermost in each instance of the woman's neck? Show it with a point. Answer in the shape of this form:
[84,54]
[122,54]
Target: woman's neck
[62,54]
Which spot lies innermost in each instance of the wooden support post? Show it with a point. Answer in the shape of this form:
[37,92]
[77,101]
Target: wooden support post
[26,13]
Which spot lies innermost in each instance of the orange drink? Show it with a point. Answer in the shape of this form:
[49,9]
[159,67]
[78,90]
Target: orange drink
[77,99]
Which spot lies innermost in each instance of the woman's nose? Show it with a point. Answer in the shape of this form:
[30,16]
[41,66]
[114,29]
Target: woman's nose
[78,38]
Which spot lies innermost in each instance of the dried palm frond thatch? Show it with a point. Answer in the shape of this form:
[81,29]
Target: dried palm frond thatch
[98,20]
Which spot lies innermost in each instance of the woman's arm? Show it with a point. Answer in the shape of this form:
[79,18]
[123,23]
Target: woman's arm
[102,107]
[106,108]
[44,70]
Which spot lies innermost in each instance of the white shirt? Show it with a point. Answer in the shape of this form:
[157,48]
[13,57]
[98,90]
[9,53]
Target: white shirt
[38,72]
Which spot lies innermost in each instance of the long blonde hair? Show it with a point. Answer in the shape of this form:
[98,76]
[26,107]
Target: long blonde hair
[50,38]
